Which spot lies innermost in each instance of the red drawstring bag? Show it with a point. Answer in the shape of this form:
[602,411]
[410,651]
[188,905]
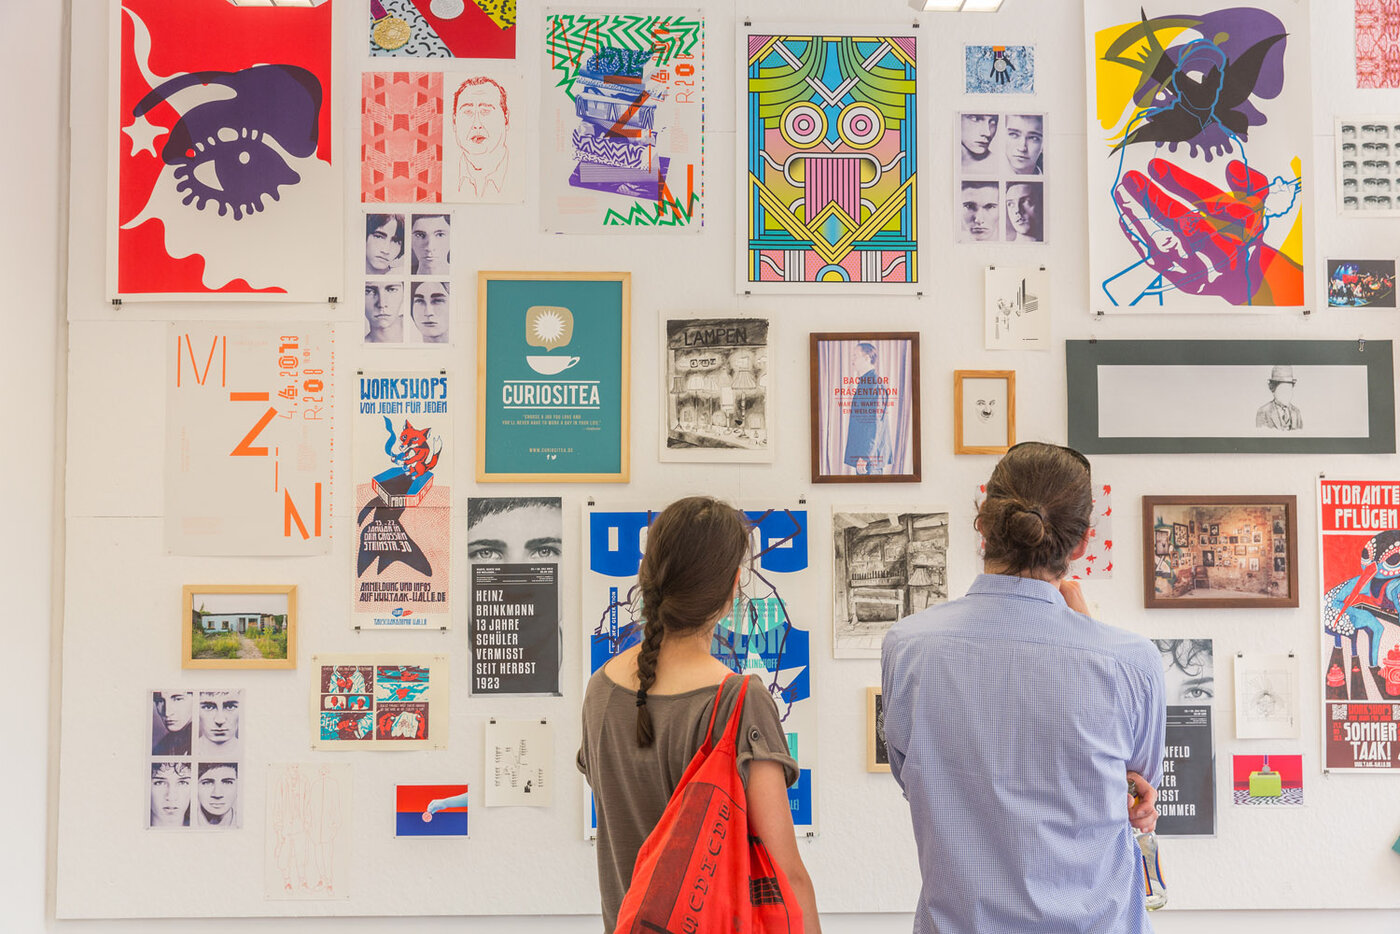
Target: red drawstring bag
[701,870]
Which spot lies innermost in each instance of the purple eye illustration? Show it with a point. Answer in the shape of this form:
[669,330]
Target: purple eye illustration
[221,149]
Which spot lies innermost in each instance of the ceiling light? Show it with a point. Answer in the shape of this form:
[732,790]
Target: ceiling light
[956,6]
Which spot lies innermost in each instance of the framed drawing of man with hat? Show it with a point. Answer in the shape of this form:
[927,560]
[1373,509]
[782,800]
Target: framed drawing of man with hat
[1279,412]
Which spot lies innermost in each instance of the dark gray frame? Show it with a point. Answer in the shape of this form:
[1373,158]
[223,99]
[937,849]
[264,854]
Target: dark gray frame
[1083,358]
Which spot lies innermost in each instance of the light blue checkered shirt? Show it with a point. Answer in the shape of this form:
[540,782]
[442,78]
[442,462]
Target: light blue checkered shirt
[1012,721]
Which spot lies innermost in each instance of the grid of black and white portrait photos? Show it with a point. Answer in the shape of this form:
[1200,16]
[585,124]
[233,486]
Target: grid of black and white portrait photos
[196,760]
[999,164]
[1368,165]
[408,278]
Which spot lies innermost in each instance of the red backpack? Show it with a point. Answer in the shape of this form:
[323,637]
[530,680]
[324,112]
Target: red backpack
[701,870]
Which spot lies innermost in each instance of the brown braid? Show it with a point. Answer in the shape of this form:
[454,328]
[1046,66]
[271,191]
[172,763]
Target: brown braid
[646,677]
[686,580]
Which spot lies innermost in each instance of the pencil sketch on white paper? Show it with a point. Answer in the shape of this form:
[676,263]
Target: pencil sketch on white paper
[308,831]
[1266,696]
[518,757]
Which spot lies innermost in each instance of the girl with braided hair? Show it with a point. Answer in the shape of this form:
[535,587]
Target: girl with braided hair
[646,712]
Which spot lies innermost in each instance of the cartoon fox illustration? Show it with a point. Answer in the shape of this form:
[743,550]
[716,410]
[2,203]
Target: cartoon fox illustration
[415,454]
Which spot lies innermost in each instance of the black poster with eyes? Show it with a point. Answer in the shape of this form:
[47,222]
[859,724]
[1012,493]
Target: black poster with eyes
[515,637]
[1186,793]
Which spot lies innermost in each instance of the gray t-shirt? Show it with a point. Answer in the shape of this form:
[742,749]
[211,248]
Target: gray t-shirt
[631,785]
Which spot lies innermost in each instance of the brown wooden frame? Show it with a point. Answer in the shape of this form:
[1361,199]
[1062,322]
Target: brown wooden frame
[1150,504]
[186,639]
[959,446]
[916,413]
[872,697]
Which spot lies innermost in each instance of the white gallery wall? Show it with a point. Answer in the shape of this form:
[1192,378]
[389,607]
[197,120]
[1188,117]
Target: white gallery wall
[107,503]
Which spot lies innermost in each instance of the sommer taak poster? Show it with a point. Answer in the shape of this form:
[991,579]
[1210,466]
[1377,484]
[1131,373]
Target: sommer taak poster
[1359,525]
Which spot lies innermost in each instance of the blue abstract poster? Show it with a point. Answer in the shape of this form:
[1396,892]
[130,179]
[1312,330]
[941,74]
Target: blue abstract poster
[766,635]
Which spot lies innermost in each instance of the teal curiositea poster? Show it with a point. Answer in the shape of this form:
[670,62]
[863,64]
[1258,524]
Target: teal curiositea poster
[553,365]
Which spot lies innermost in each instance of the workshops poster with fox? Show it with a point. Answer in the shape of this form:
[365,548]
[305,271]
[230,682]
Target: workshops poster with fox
[403,500]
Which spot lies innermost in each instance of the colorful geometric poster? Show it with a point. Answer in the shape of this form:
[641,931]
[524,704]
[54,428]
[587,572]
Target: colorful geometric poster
[442,28]
[307,851]
[828,161]
[381,701]
[1377,44]
[1359,527]
[403,493]
[999,69]
[221,178]
[430,811]
[249,416]
[767,634]
[1197,140]
[624,122]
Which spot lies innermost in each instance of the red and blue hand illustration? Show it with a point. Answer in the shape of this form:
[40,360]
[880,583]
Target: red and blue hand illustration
[1205,241]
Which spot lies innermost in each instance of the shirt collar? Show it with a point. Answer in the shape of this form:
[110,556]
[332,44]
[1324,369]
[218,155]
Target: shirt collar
[1006,585]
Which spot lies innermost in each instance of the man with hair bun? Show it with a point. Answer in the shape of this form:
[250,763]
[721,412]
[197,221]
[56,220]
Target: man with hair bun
[1012,718]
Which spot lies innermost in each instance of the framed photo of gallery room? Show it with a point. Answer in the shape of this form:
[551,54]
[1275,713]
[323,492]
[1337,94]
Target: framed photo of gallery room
[1202,552]
[239,626]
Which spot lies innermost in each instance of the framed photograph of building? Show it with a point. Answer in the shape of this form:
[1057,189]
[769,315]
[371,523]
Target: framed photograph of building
[865,407]
[877,754]
[717,390]
[553,364]
[1181,573]
[239,626]
[984,411]
[1235,397]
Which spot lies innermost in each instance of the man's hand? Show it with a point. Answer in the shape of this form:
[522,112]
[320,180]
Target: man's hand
[1142,807]
[1074,597]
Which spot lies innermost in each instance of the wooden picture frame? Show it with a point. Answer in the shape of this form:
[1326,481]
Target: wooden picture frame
[970,438]
[1233,581]
[569,429]
[865,409]
[877,754]
[238,609]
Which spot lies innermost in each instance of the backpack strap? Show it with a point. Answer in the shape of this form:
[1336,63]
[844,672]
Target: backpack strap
[714,712]
[731,730]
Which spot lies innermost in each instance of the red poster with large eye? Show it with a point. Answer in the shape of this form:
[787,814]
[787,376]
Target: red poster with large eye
[221,142]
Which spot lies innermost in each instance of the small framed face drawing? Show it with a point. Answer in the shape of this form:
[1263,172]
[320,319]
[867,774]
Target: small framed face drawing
[984,411]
